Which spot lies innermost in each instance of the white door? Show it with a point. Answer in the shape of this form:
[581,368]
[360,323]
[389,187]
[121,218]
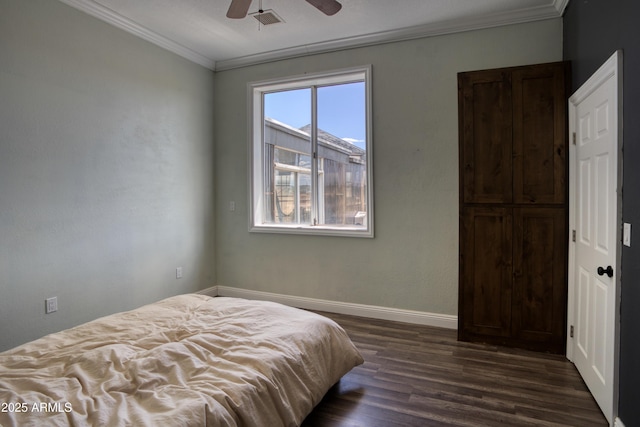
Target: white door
[594,218]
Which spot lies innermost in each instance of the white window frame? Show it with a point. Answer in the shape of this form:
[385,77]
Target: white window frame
[255,92]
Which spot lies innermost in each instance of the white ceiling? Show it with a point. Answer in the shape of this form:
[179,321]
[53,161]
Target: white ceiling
[199,30]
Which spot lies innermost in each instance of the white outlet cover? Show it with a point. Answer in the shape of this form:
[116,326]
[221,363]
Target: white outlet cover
[179,273]
[51,305]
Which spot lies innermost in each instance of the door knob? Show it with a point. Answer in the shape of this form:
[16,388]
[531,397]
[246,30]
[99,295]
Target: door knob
[608,271]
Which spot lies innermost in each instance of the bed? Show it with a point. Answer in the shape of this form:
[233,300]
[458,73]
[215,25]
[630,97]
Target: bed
[189,360]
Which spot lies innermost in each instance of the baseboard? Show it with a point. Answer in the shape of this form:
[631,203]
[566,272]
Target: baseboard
[362,310]
[618,423]
[212,291]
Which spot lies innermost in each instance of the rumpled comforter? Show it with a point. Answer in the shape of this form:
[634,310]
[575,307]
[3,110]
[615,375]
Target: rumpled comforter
[189,360]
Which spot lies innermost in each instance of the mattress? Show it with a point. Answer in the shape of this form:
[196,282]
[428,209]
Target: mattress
[189,360]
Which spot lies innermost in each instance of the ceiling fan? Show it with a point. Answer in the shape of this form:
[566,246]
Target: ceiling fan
[239,8]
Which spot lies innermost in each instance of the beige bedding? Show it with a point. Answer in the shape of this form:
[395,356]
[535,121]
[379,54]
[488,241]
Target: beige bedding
[189,360]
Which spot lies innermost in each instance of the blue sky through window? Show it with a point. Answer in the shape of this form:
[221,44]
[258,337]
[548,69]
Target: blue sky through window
[341,110]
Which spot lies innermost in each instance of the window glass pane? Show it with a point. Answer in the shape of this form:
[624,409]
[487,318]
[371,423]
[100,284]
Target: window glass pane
[342,150]
[287,157]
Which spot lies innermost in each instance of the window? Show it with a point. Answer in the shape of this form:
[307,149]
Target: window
[310,151]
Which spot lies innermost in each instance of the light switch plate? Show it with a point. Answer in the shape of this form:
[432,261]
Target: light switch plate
[626,234]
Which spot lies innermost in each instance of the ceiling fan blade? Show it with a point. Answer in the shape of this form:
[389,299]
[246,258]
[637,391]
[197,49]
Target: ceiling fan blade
[328,7]
[238,9]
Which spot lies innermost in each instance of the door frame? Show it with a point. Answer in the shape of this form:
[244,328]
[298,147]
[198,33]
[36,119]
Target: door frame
[611,68]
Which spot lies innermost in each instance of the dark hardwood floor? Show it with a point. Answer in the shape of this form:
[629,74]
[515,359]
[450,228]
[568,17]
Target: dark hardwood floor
[422,376]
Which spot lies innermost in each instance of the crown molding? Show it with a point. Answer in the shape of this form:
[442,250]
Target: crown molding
[554,10]
[560,5]
[429,30]
[109,16]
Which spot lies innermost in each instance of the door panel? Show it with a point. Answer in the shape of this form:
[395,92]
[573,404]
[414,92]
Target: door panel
[582,337]
[539,134]
[584,201]
[602,198]
[601,302]
[539,287]
[486,130]
[485,262]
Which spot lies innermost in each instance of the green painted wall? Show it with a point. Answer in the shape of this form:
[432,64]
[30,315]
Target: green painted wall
[106,170]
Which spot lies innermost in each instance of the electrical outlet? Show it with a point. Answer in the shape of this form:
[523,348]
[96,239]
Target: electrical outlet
[51,305]
[179,273]
[232,206]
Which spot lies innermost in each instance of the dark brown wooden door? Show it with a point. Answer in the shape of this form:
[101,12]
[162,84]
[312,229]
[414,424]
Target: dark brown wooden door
[513,206]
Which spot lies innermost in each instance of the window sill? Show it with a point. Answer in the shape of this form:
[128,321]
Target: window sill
[313,230]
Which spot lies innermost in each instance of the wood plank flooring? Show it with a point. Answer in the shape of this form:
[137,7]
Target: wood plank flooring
[422,376]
